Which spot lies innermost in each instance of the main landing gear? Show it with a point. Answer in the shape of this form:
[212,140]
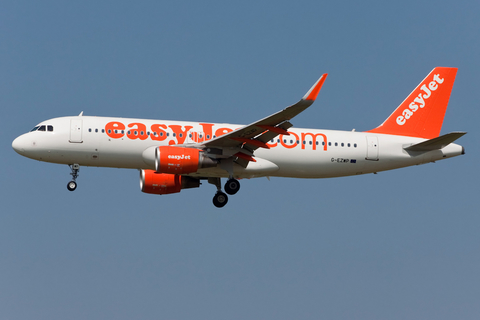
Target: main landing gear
[231,187]
[72,185]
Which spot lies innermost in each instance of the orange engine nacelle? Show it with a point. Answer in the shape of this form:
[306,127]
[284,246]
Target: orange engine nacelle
[179,160]
[164,183]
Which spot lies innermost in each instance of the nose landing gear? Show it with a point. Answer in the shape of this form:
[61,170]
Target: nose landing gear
[72,185]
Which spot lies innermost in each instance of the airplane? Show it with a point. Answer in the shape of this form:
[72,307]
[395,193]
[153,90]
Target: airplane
[176,155]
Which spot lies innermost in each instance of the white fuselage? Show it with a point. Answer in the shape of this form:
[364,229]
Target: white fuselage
[305,153]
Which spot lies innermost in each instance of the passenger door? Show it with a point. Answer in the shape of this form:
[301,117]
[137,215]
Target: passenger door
[76,131]
[372,148]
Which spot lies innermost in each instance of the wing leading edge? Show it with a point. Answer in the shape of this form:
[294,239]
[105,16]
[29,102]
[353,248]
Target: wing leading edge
[256,135]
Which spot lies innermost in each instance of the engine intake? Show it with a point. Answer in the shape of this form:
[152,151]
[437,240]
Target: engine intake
[164,183]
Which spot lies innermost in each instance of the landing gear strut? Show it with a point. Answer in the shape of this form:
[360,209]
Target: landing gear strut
[231,187]
[220,199]
[72,185]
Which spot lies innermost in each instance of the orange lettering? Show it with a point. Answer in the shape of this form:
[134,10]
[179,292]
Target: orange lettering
[198,136]
[207,130]
[222,131]
[114,129]
[314,140]
[180,134]
[157,133]
[286,145]
[271,145]
[140,132]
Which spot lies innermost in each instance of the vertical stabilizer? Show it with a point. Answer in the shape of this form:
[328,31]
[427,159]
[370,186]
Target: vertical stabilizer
[421,113]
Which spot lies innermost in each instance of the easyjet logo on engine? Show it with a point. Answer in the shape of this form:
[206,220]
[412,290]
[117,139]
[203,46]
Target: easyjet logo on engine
[179,157]
[420,101]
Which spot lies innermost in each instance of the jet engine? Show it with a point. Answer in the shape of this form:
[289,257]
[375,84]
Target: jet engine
[164,183]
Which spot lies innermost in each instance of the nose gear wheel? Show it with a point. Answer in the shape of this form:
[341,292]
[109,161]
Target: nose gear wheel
[72,185]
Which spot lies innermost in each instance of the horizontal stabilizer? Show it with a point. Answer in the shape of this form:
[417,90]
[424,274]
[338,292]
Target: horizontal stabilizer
[436,143]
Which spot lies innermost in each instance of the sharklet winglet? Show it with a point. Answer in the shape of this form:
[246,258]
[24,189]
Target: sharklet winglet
[315,89]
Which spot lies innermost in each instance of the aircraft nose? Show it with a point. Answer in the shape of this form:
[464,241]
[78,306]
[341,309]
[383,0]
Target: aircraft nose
[19,144]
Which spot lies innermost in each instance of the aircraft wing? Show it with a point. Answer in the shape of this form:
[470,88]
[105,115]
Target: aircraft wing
[257,134]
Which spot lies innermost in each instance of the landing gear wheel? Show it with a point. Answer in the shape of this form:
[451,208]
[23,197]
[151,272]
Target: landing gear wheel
[232,186]
[71,186]
[220,199]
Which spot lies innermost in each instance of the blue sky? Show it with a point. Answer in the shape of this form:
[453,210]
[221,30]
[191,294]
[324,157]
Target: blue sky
[402,244]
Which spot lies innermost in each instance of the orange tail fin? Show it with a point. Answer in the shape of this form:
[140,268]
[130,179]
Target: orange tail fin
[421,114]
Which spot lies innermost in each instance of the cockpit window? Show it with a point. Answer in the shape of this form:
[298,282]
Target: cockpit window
[43,128]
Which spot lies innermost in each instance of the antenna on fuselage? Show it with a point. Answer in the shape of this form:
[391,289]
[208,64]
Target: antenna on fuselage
[81,114]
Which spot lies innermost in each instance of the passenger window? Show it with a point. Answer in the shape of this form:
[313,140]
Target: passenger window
[355,145]
[96,130]
[342,144]
[50,128]
[89,130]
